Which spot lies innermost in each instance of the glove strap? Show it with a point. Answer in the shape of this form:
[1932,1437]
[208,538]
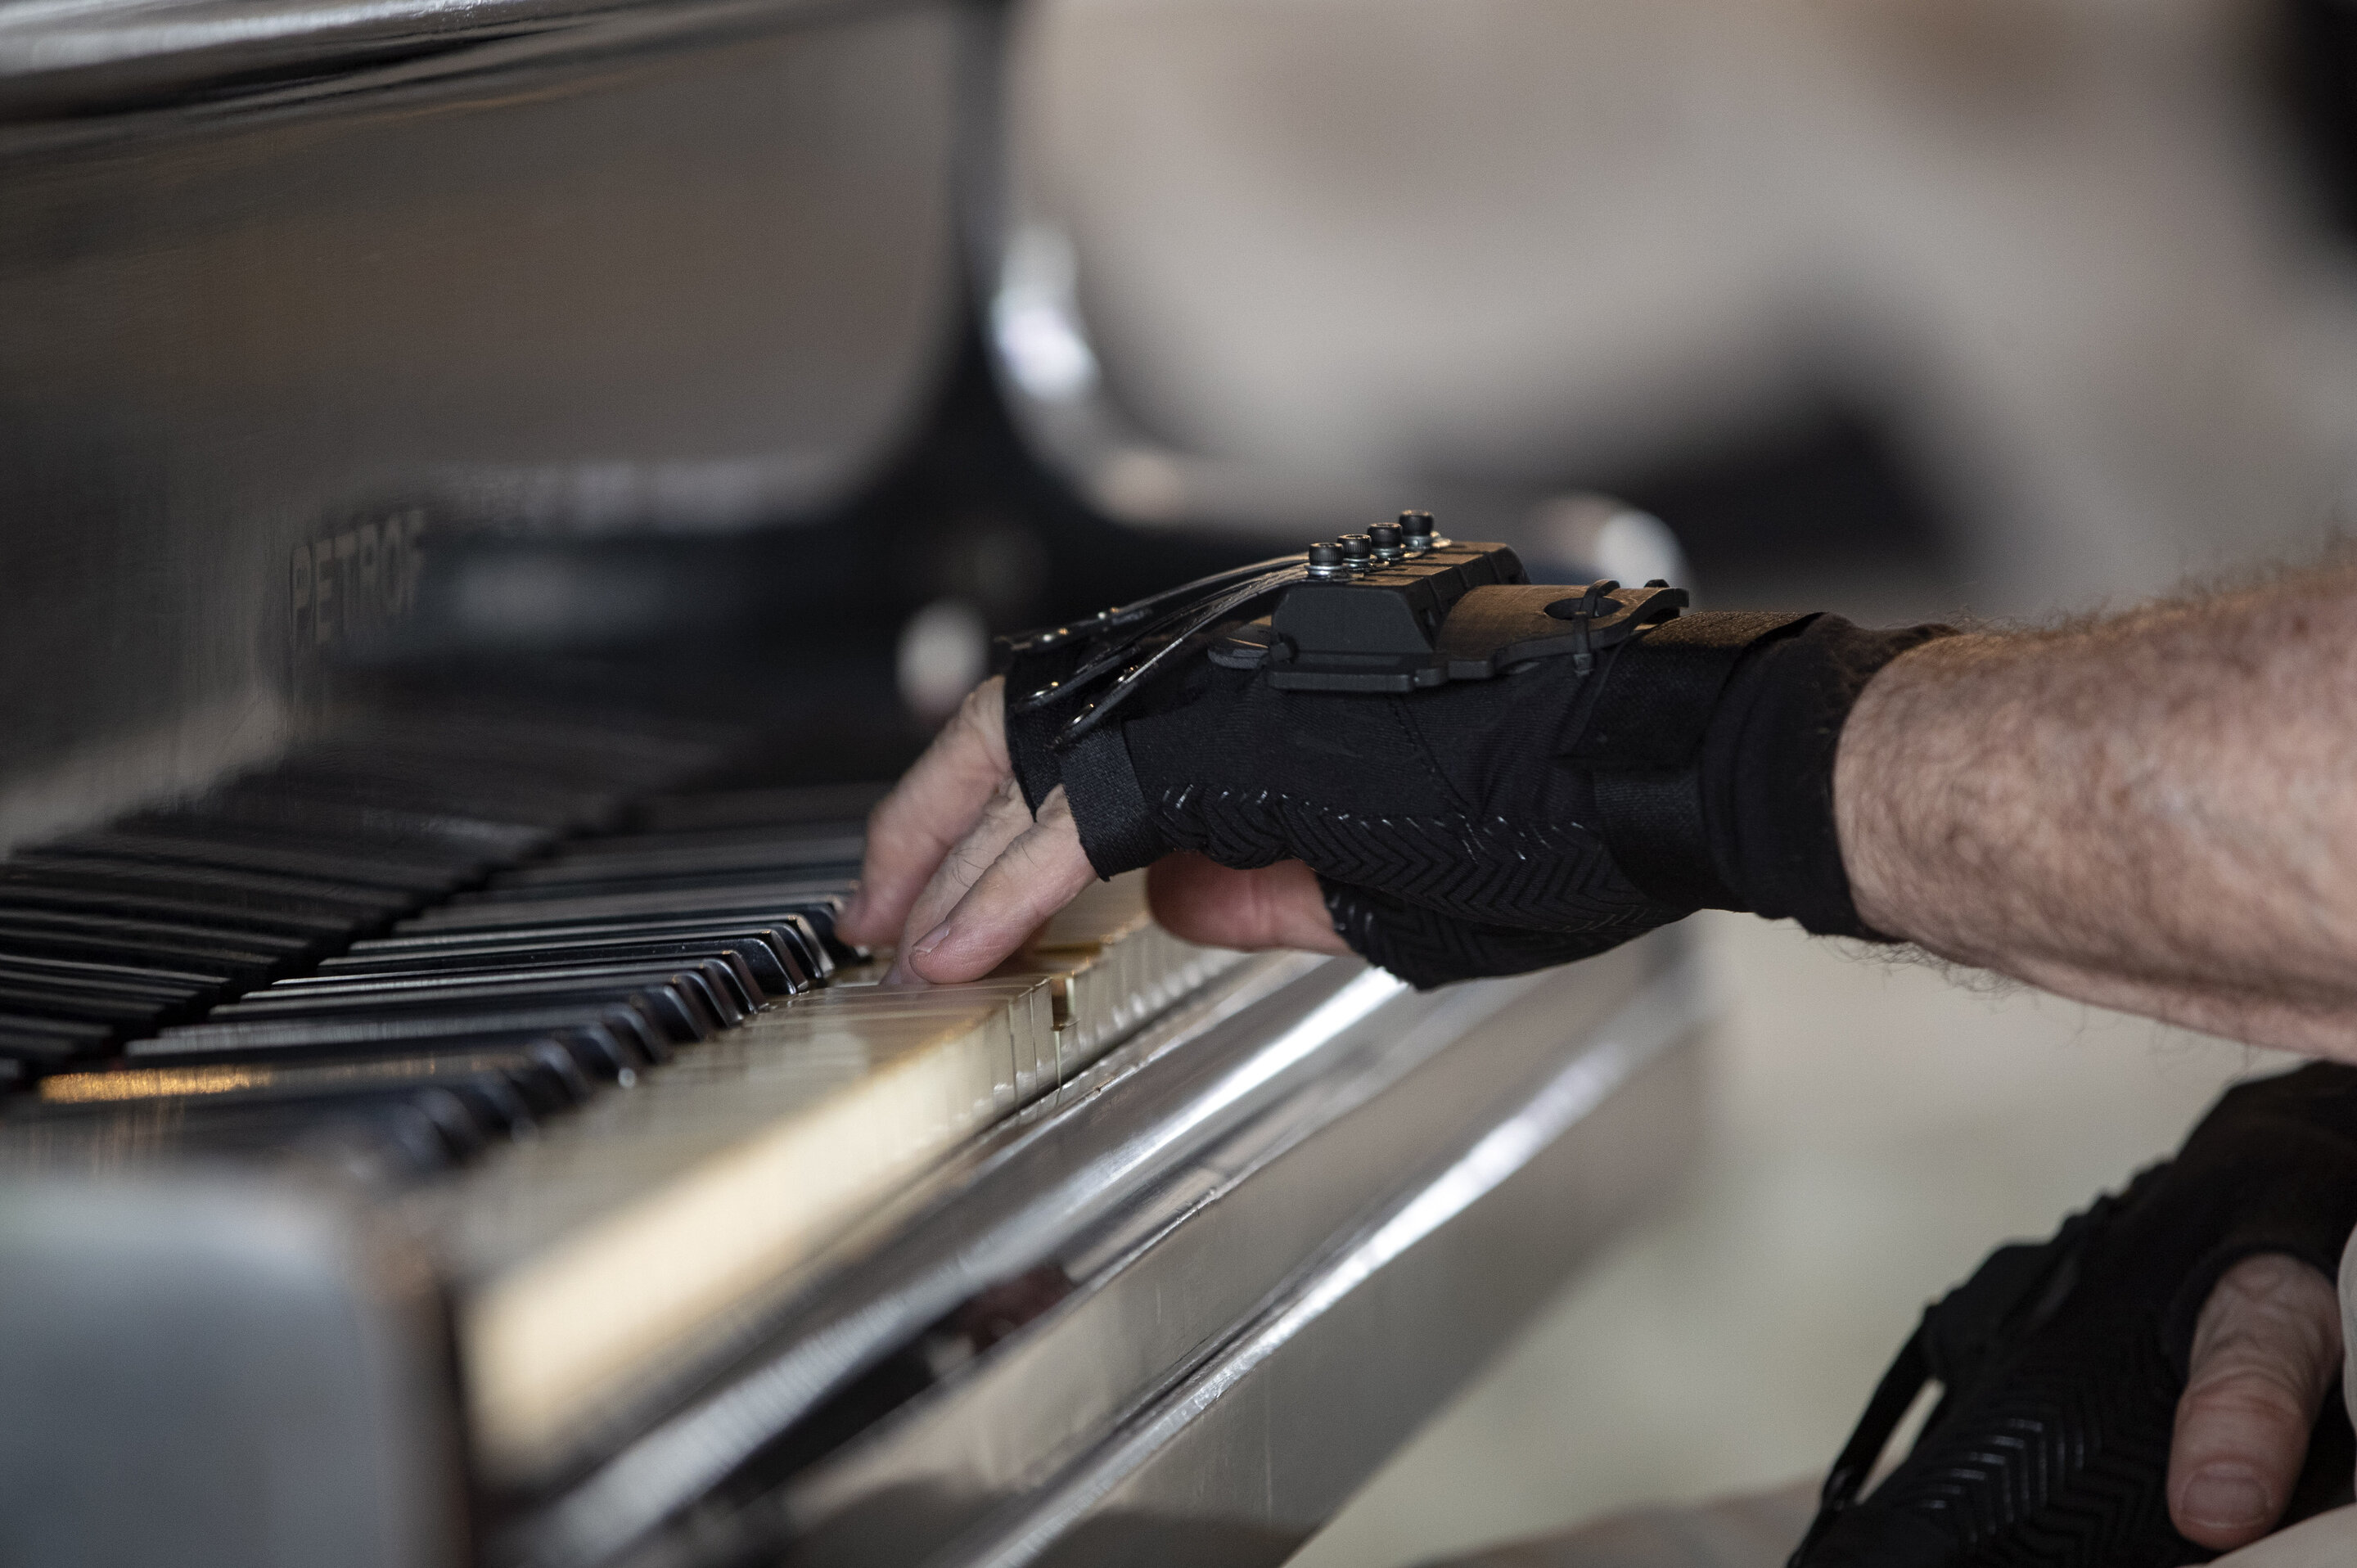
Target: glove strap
[1713,756]
[1642,741]
[1118,830]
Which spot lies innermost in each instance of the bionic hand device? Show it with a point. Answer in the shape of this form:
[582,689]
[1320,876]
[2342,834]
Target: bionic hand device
[2061,1364]
[1488,776]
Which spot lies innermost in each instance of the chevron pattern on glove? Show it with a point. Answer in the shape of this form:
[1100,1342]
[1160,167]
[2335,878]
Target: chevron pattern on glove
[1541,878]
[1427,948]
[2063,1464]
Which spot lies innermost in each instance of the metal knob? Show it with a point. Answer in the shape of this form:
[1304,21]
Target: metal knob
[1385,539]
[1326,561]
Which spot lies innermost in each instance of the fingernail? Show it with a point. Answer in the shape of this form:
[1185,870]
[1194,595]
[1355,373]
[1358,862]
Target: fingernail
[2227,1499]
[930,940]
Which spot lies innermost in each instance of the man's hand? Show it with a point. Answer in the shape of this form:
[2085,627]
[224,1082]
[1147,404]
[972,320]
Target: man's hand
[2267,1354]
[958,873]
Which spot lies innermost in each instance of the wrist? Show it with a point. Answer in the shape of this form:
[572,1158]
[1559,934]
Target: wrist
[1895,755]
[1757,832]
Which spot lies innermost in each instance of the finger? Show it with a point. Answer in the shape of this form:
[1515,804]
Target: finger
[934,806]
[1037,875]
[1003,820]
[1278,906]
[2265,1352]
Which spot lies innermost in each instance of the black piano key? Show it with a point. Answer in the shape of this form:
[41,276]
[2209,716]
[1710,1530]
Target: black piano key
[605,754]
[680,888]
[237,889]
[52,1041]
[480,840]
[817,912]
[197,832]
[793,837]
[794,931]
[143,943]
[542,1072]
[481,910]
[685,999]
[426,1131]
[760,807]
[767,967]
[612,861]
[37,976]
[25,900]
[696,1003]
[468,1110]
[128,1010]
[622,1035]
[596,1053]
[21,1000]
[423,791]
[736,991]
[397,1137]
[388,1138]
[378,876]
[122,980]
[189,981]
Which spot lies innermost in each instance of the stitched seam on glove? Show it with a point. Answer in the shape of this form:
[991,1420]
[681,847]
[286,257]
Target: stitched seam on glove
[1544,879]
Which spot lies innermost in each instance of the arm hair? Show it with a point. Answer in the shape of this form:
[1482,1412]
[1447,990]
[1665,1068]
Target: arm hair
[2155,812]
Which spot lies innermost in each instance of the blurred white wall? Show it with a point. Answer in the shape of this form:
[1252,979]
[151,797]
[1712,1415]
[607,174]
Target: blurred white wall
[1348,249]
[1877,1130]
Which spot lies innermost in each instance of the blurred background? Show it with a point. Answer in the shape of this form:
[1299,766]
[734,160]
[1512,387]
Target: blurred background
[1907,307]
[2024,304]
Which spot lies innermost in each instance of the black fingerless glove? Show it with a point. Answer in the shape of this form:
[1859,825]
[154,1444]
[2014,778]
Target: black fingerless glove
[1566,802]
[2062,1363]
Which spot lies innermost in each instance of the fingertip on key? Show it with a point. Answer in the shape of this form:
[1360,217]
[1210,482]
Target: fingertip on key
[905,971]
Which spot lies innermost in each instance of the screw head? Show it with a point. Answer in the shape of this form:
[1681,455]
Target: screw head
[1326,560]
[1384,538]
[1415,529]
[1357,549]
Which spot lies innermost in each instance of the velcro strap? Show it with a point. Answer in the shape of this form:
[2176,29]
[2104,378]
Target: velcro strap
[1118,831]
[1663,688]
[1652,826]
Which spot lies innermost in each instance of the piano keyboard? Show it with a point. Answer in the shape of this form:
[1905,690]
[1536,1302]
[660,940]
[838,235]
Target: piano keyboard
[597,1043]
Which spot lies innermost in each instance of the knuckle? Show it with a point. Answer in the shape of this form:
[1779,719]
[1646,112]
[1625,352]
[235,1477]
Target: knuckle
[2250,1394]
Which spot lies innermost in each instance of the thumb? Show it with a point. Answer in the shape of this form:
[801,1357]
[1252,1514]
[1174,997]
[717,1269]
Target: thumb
[2266,1351]
[1278,906]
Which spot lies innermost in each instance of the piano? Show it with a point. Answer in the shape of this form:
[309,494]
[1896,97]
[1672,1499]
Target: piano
[471,473]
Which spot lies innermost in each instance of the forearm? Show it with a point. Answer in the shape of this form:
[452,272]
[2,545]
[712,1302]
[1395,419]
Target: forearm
[2156,813]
